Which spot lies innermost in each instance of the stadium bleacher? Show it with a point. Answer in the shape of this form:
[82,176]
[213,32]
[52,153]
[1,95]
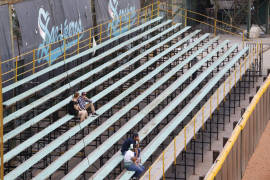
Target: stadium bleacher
[163,78]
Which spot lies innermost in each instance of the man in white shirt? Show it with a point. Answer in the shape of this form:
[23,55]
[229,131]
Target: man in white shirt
[130,162]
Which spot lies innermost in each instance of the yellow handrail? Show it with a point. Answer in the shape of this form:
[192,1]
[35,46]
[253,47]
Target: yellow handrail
[142,14]
[228,147]
[183,133]
[208,17]
[154,12]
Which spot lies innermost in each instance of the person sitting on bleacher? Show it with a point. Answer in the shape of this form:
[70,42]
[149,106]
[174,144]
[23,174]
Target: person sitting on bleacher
[82,100]
[74,108]
[191,64]
[131,164]
[135,141]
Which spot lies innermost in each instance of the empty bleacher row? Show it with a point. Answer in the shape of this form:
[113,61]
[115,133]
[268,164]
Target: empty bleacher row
[148,83]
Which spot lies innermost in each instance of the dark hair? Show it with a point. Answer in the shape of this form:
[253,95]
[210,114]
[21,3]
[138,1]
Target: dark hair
[76,95]
[135,134]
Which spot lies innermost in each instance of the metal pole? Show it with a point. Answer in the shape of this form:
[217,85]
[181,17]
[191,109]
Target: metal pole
[16,69]
[90,37]
[64,49]
[145,13]
[185,133]
[129,21]
[139,17]
[267,16]
[218,99]
[50,54]
[235,77]
[215,27]
[249,18]
[78,43]
[224,90]
[158,8]
[174,143]
[185,18]
[100,31]
[152,11]
[11,29]
[1,125]
[194,128]
[203,117]
[170,8]
[163,168]
[111,29]
[34,60]
[184,13]
[120,27]
[210,109]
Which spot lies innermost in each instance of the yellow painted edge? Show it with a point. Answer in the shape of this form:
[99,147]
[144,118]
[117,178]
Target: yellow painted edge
[226,150]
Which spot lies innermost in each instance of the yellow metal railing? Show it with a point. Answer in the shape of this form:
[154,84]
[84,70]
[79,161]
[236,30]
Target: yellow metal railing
[82,44]
[238,129]
[216,24]
[79,42]
[194,124]
[84,40]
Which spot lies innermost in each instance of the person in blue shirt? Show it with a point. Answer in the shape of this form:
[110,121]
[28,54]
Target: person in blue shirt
[135,142]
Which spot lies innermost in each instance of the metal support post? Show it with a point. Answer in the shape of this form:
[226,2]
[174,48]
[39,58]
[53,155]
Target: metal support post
[267,16]
[1,126]
[249,18]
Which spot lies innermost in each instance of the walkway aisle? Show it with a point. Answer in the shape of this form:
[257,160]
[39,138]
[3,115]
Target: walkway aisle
[259,165]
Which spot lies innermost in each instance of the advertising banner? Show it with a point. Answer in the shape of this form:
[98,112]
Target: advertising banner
[117,10]
[43,22]
[5,43]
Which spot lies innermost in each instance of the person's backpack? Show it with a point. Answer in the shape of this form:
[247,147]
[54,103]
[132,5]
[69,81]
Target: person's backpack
[71,108]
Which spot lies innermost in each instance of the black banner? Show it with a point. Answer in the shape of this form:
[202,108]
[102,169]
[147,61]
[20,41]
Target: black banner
[5,42]
[43,22]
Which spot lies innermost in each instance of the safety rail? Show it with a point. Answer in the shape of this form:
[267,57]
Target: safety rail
[31,68]
[89,51]
[162,163]
[85,40]
[232,161]
[215,24]
[79,43]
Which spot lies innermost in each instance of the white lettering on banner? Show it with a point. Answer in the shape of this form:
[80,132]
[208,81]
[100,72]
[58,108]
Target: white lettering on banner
[57,33]
[116,13]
